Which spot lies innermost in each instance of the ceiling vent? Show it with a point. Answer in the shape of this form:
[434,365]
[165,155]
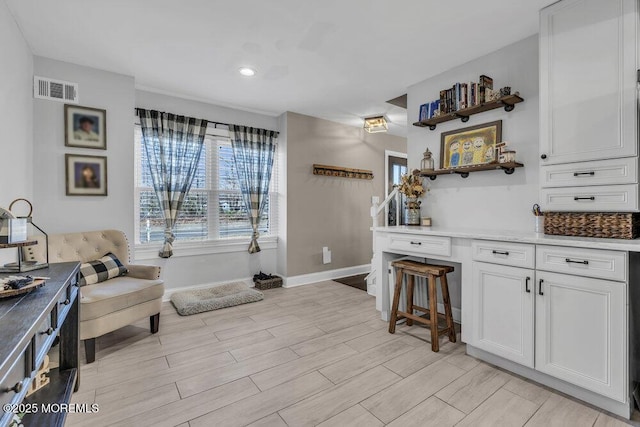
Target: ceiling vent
[55,90]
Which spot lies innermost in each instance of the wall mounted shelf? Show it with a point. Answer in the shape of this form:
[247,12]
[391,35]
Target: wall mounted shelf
[507,102]
[508,168]
[341,172]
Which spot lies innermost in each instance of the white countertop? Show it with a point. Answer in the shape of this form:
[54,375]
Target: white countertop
[517,236]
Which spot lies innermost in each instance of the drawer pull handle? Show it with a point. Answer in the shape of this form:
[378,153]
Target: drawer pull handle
[416,243]
[16,388]
[576,198]
[500,253]
[592,173]
[49,331]
[540,287]
[526,285]
[573,261]
[65,302]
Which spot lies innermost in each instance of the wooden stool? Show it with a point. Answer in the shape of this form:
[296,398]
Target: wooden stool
[431,273]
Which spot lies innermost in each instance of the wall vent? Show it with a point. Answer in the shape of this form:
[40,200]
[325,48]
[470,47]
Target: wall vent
[55,90]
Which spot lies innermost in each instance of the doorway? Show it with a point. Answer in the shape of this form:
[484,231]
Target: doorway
[395,167]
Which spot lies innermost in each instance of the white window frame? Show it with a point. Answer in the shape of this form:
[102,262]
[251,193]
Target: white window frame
[148,251]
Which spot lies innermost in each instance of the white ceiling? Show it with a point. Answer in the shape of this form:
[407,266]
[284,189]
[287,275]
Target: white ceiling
[335,59]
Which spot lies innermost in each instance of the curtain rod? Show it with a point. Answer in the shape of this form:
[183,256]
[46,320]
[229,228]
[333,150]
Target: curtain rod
[210,121]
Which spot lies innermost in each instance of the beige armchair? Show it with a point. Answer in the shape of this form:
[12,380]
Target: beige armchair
[117,302]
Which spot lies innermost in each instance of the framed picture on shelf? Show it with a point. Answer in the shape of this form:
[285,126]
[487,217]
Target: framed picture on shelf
[85,127]
[470,146]
[86,175]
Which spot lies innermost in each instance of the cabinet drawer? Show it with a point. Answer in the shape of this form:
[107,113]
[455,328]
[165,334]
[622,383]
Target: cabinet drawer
[12,386]
[45,334]
[515,254]
[423,245]
[64,303]
[609,198]
[594,263]
[603,172]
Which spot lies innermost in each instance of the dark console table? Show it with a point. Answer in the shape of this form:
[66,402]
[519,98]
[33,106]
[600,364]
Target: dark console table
[29,325]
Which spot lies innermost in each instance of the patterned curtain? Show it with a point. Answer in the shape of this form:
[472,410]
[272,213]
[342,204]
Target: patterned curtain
[253,152]
[173,145]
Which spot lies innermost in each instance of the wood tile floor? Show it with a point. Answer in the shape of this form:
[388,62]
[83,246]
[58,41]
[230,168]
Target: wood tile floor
[312,355]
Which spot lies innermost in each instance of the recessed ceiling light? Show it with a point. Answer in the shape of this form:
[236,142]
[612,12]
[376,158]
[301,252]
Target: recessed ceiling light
[247,72]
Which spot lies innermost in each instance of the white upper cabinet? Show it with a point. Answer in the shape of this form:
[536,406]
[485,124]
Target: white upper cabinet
[588,80]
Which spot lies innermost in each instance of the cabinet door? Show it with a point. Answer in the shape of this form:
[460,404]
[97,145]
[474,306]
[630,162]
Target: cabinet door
[588,106]
[581,332]
[503,311]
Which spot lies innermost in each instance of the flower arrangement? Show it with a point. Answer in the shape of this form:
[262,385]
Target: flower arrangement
[411,185]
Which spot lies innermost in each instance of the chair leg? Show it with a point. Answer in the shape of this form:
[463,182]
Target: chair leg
[154,323]
[433,313]
[90,350]
[410,284]
[447,308]
[396,301]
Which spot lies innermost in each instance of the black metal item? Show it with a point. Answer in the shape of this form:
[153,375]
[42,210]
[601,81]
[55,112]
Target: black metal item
[540,287]
[591,173]
[416,243]
[576,198]
[500,253]
[526,285]
[585,262]
[543,156]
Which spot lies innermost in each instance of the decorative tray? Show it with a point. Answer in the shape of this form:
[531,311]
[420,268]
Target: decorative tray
[38,283]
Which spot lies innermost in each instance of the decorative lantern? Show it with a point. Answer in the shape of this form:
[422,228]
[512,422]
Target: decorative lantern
[427,161]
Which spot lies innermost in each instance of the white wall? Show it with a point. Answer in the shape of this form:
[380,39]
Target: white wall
[16,112]
[485,200]
[55,211]
[282,196]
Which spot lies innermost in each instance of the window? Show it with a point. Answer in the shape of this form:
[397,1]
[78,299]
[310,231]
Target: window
[213,209]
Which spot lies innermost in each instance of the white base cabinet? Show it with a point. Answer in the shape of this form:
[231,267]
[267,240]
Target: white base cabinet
[581,332]
[503,310]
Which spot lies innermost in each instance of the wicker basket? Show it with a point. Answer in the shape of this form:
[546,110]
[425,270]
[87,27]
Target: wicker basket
[582,224]
[275,282]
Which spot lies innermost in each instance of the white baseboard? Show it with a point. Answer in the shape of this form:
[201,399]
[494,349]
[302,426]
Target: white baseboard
[171,291]
[306,279]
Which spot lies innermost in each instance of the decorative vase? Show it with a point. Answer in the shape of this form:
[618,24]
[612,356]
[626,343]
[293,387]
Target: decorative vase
[412,211]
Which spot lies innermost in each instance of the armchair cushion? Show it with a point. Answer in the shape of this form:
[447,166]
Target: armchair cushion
[150,272]
[100,270]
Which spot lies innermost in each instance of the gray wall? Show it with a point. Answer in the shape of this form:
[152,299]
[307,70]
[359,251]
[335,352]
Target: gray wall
[327,211]
[453,201]
[99,89]
[16,112]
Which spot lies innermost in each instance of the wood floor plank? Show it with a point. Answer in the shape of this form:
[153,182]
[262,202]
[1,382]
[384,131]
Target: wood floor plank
[369,341]
[198,353]
[137,370]
[361,362]
[433,412]
[329,340]
[265,403]
[470,390]
[356,416]
[254,327]
[527,389]
[559,411]
[399,398]
[194,406]
[293,338]
[414,360]
[272,420]
[605,420]
[288,371]
[331,402]
[205,381]
[503,408]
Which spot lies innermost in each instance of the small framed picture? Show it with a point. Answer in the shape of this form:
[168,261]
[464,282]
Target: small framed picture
[85,127]
[86,175]
[471,146]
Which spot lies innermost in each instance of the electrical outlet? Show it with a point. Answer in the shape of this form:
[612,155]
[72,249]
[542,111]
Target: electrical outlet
[375,199]
[326,255]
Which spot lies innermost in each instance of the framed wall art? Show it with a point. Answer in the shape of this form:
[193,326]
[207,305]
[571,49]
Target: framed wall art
[470,146]
[86,175]
[85,127]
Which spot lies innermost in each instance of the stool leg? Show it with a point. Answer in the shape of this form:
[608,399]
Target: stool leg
[433,312]
[410,283]
[396,301]
[447,308]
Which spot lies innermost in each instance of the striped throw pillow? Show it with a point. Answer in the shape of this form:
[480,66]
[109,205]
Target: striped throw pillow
[105,268]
